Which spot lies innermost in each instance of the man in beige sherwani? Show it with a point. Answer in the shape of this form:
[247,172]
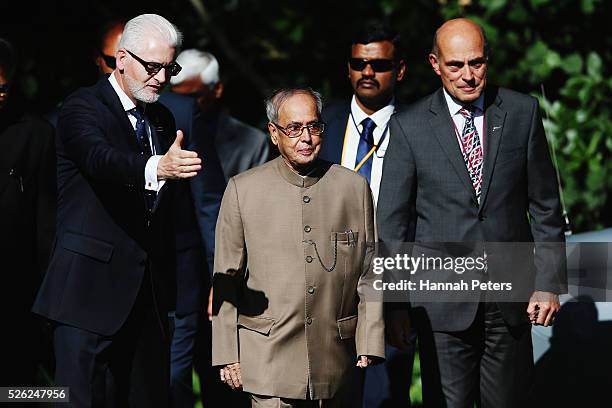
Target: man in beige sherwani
[293,244]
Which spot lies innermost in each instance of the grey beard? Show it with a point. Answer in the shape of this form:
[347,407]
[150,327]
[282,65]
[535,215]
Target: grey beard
[139,93]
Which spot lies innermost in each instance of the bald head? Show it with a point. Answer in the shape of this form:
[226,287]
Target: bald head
[459,27]
[459,57]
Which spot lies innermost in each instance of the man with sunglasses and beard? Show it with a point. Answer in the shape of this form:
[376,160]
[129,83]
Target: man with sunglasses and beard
[117,155]
[357,136]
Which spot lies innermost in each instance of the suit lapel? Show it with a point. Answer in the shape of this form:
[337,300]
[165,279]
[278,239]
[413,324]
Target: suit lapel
[443,128]
[110,98]
[494,120]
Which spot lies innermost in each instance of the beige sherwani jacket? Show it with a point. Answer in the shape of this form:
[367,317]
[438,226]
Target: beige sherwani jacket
[293,326]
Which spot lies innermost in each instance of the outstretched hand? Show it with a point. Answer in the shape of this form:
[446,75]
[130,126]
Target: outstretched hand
[178,163]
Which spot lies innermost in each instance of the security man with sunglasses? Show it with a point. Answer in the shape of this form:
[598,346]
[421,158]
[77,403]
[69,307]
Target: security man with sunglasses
[104,290]
[357,137]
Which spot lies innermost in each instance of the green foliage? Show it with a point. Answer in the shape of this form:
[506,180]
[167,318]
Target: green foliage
[554,46]
[579,127]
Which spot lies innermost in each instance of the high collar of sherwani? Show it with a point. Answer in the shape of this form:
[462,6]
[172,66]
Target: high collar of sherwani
[318,169]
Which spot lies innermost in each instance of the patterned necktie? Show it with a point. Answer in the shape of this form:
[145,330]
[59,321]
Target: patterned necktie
[141,131]
[366,142]
[472,149]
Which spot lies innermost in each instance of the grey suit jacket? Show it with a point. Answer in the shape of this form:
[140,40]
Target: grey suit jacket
[239,146]
[291,324]
[426,194]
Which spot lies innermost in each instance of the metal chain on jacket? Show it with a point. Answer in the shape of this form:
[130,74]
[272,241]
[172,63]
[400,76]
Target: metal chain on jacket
[314,244]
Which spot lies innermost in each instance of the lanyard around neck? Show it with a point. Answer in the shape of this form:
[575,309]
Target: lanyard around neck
[374,148]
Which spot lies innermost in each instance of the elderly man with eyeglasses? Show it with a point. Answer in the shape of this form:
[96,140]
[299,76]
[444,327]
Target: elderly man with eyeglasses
[118,158]
[293,244]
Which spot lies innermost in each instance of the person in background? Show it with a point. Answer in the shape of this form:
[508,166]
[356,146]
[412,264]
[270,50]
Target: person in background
[239,146]
[118,157]
[357,137]
[27,225]
[107,46]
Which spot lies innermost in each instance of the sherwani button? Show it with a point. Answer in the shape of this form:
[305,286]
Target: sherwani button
[307,228]
[311,290]
[309,259]
[306,199]
[309,320]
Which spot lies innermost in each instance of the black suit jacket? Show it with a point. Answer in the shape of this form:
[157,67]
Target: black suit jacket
[336,117]
[426,194]
[198,202]
[27,204]
[106,237]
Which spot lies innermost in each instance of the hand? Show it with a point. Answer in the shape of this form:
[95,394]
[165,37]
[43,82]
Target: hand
[178,163]
[230,374]
[398,329]
[209,308]
[542,308]
[363,361]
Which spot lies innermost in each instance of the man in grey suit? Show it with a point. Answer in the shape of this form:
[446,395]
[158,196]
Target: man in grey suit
[239,146]
[470,163]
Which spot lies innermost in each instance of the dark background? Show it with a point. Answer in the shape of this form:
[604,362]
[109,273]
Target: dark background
[561,46]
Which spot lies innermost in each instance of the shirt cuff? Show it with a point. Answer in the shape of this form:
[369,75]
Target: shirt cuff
[151,182]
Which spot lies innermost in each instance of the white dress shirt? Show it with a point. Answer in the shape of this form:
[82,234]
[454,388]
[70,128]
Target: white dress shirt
[151,182]
[351,141]
[459,120]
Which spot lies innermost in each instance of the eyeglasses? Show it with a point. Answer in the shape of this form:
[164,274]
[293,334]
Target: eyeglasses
[153,68]
[108,60]
[378,65]
[295,129]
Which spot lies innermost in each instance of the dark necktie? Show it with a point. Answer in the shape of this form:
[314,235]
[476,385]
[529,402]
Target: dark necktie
[145,149]
[472,149]
[141,131]
[366,142]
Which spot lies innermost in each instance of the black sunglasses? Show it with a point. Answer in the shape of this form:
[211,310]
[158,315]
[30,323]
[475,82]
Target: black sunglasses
[153,68]
[378,65]
[108,60]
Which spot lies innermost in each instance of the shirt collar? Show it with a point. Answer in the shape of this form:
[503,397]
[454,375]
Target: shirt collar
[292,177]
[126,102]
[380,117]
[454,107]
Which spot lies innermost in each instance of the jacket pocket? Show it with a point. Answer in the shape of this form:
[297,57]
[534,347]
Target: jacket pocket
[347,327]
[261,325]
[88,246]
[350,238]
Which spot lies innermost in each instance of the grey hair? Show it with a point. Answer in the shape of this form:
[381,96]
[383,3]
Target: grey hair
[142,27]
[280,96]
[197,64]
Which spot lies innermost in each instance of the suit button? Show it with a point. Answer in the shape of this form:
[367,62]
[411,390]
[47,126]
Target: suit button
[309,259]
[309,320]
[481,217]
[306,199]
[307,228]
[311,290]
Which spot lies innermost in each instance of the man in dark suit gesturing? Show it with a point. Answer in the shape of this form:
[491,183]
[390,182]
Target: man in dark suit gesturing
[104,284]
[470,163]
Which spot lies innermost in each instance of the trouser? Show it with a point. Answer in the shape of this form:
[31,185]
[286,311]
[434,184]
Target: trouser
[260,401]
[128,369]
[388,384]
[490,363]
